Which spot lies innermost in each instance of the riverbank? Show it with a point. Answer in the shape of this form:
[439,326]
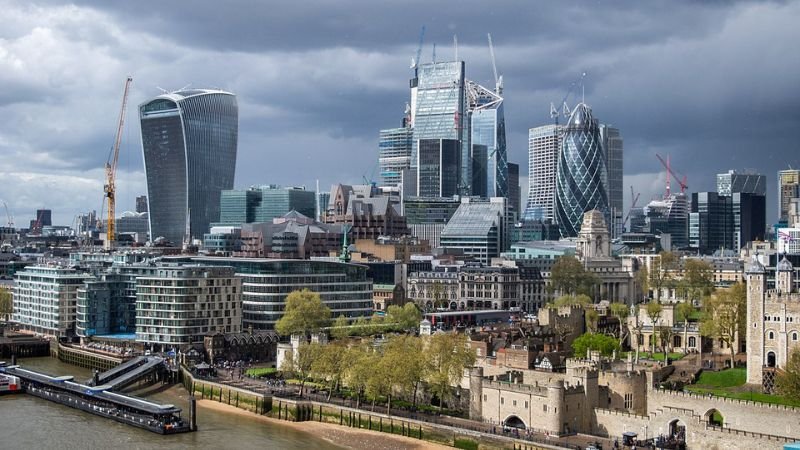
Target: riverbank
[353,438]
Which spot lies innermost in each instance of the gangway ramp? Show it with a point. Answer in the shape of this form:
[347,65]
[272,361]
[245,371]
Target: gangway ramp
[151,364]
[127,366]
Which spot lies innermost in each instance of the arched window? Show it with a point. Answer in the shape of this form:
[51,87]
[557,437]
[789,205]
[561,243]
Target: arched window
[692,341]
[771,335]
[794,336]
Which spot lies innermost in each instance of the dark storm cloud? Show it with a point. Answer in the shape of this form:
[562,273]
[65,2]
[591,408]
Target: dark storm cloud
[713,84]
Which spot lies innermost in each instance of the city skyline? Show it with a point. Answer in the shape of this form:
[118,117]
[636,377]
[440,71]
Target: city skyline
[311,100]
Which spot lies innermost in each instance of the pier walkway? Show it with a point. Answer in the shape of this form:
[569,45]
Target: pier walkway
[128,373]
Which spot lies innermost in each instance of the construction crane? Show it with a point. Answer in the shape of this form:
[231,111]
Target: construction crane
[498,80]
[634,200]
[8,215]
[111,170]
[563,105]
[415,61]
[681,181]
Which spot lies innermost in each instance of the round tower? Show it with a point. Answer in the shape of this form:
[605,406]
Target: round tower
[784,276]
[476,393]
[555,407]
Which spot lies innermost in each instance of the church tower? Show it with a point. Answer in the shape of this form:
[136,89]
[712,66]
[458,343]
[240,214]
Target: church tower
[593,239]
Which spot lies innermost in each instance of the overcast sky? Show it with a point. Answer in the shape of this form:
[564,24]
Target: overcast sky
[714,85]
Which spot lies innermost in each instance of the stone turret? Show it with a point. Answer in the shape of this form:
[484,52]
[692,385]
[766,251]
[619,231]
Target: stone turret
[756,287]
[784,276]
[593,239]
[476,393]
[555,407]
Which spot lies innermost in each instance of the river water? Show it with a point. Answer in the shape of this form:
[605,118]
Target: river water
[28,422]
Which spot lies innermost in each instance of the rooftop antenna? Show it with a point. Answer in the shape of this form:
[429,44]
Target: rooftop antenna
[583,88]
[434,53]
[455,46]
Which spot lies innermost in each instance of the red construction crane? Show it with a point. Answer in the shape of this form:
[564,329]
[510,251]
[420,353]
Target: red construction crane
[681,181]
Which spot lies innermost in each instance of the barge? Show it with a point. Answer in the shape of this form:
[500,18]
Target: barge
[98,400]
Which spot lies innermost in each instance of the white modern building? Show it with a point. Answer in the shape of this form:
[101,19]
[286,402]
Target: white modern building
[45,299]
[543,146]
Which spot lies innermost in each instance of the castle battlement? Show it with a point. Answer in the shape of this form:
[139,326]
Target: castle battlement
[765,406]
[533,389]
[777,295]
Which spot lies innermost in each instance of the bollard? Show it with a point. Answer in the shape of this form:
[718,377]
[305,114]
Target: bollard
[193,413]
[14,359]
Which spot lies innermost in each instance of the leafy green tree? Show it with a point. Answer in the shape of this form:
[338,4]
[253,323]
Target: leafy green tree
[698,279]
[304,313]
[661,275]
[787,381]
[605,344]
[643,280]
[685,311]
[571,300]
[6,303]
[302,364]
[621,312]
[592,317]
[569,277]
[447,356]
[329,364]
[407,317]
[341,328]
[359,363]
[725,316]
[654,310]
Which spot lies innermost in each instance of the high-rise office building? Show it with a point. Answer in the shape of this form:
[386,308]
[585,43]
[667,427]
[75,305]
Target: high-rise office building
[488,127]
[439,110]
[394,154]
[788,189]
[438,167]
[427,217]
[612,144]
[479,228]
[669,215]
[514,188]
[264,203]
[189,140]
[747,183]
[543,146]
[710,222]
[44,218]
[749,218]
[581,177]
[141,204]
[479,183]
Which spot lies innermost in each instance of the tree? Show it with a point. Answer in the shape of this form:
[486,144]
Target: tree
[407,317]
[592,317]
[661,276]
[725,316]
[403,366]
[439,295]
[654,313]
[340,329]
[359,363]
[329,364]
[304,313]
[569,277]
[698,279]
[787,381]
[685,311]
[447,357]
[302,364]
[6,303]
[605,344]
[643,281]
[621,312]
[571,300]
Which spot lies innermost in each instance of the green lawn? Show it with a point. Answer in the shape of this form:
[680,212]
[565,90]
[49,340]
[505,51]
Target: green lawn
[730,383]
[659,356]
[261,371]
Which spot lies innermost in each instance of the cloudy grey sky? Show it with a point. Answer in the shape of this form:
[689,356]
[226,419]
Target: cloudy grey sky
[715,84]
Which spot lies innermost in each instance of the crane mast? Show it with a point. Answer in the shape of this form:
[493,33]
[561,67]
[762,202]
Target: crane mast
[111,170]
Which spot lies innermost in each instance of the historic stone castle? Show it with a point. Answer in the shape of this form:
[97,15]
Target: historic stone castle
[773,321]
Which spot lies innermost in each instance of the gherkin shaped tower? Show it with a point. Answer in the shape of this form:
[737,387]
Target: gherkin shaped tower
[581,178]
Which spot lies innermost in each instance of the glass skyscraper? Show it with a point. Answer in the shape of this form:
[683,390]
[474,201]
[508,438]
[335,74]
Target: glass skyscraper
[612,144]
[543,147]
[440,110]
[395,146]
[189,140]
[581,179]
[488,127]
[438,167]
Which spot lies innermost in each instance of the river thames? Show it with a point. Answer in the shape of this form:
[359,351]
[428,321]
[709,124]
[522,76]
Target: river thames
[32,423]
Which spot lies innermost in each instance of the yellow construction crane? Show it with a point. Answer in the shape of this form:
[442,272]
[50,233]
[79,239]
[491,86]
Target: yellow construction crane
[111,170]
